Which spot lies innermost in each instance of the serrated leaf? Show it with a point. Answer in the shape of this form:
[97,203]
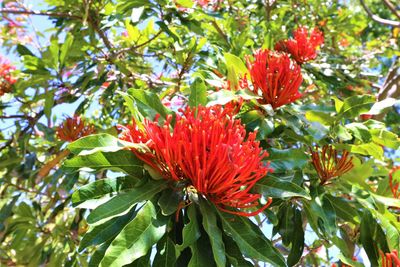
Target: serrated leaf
[250,239]
[136,238]
[122,203]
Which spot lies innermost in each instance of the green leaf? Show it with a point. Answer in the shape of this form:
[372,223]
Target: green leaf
[236,68]
[344,210]
[338,103]
[169,201]
[274,187]
[342,133]
[366,237]
[6,211]
[250,239]
[136,238]
[201,253]
[48,104]
[355,105]
[101,233]
[123,160]
[391,226]
[100,142]
[166,254]
[385,138]
[100,188]
[370,149]
[319,116]
[65,48]
[23,50]
[98,255]
[191,231]
[360,131]
[198,93]
[123,203]
[233,253]
[149,103]
[214,233]
[297,241]
[287,159]
[285,224]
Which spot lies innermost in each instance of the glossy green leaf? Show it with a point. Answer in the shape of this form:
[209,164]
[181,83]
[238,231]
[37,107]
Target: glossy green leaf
[236,69]
[65,48]
[100,142]
[122,203]
[360,131]
[102,187]
[250,239]
[274,187]
[287,159]
[355,105]
[214,233]
[166,254]
[385,138]
[191,231]
[198,93]
[123,160]
[343,209]
[233,253]
[148,103]
[296,251]
[169,201]
[136,238]
[321,117]
[101,233]
[201,253]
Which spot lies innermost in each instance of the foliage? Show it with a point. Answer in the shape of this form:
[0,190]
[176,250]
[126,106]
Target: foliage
[76,192]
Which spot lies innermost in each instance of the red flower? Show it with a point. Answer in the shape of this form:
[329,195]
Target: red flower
[390,259]
[328,164]
[394,187]
[303,47]
[275,77]
[205,150]
[74,128]
[6,77]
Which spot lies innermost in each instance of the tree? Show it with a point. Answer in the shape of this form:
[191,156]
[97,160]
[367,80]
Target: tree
[200,133]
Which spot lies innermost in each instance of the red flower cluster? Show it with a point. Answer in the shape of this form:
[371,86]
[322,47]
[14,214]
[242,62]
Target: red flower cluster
[276,77]
[328,164]
[6,77]
[394,187]
[303,47]
[74,128]
[390,259]
[206,149]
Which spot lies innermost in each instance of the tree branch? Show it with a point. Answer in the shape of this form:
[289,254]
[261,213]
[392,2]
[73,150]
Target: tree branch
[38,13]
[392,8]
[377,18]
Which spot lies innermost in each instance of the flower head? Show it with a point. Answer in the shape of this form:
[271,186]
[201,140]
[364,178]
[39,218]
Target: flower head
[394,186]
[205,150]
[6,77]
[304,46]
[73,128]
[328,164]
[275,77]
[389,259]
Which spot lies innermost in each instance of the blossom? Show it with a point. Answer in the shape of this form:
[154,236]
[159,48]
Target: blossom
[328,164]
[275,77]
[389,259]
[73,128]
[394,187]
[206,151]
[6,77]
[303,47]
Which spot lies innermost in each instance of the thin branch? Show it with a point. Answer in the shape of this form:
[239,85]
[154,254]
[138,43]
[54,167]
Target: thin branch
[220,32]
[39,13]
[392,8]
[379,19]
[133,48]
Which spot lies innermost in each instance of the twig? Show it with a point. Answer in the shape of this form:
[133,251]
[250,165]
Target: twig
[39,13]
[133,48]
[392,8]
[379,19]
